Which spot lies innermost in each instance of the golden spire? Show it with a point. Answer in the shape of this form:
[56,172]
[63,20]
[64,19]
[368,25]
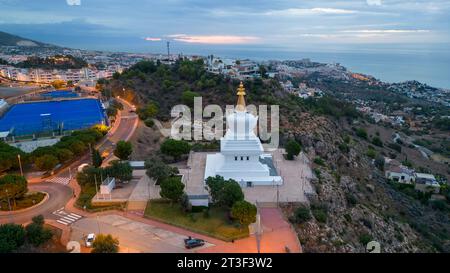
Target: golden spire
[241,100]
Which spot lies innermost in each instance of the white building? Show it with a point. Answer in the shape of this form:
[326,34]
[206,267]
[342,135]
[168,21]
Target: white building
[401,174]
[241,156]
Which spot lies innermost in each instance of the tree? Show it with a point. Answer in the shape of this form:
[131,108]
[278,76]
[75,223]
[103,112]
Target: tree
[158,170]
[122,171]
[58,84]
[293,149]
[123,150]
[13,186]
[230,194]
[245,212]
[175,148]
[148,111]
[215,185]
[36,233]
[263,71]
[172,188]
[12,237]
[188,97]
[64,155]
[224,192]
[46,162]
[97,159]
[105,244]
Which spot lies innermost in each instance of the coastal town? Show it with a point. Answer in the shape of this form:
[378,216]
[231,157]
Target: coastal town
[94,156]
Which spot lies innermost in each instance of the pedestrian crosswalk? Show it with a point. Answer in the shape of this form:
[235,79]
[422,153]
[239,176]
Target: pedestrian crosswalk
[66,218]
[60,180]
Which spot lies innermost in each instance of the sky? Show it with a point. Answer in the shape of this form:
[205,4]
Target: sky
[290,25]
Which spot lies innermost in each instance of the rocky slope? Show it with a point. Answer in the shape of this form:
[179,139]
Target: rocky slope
[361,206]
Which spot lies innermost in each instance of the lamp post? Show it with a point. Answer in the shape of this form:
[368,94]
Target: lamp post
[9,205]
[20,165]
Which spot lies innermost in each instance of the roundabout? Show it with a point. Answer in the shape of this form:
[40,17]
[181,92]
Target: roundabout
[56,197]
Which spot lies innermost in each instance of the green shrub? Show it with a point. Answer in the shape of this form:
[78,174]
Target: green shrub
[362,133]
[365,238]
[377,142]
[302,215]
[319,161]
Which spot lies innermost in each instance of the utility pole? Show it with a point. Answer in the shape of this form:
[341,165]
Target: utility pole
[20,164]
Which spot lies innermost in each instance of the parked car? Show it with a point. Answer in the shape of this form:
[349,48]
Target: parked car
[90,240]
[190,243]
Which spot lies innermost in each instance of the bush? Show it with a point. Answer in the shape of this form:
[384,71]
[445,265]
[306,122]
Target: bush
[319,161]
[377,142]
[365,238]
[302,215]
[105,244]
[371,153]
[175,148]
[293,149]
[362,133]
[12,237]
[149,123]
[320,212]
[36,233]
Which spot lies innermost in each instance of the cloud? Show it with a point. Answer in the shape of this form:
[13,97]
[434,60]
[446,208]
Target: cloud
[381,31]
[213,39]
[73,2]
[374,2]
[312,11]
[152,39]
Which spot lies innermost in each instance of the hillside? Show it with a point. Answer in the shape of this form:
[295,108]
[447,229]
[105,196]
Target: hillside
[353,204]
[7,39]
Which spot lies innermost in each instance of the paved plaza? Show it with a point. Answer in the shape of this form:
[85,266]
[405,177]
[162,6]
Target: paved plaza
[296,175]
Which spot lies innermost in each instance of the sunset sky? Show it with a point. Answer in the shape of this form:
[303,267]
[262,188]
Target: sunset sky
[318,25]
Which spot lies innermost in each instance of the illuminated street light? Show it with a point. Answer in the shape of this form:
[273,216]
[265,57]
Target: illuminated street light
[20,165]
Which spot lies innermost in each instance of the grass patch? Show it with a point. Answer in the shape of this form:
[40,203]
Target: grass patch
[215,225]
[27,201]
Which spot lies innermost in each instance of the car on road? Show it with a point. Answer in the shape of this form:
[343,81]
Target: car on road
[90,240]
[190,243]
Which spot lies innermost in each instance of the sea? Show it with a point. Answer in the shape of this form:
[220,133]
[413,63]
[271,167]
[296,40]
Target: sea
[432,68]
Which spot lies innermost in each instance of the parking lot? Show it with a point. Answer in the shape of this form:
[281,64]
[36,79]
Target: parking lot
[134,237]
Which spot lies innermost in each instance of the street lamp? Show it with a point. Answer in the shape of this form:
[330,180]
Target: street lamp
[9,205]
[20,164]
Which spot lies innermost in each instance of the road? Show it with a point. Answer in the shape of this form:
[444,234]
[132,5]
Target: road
[58,197]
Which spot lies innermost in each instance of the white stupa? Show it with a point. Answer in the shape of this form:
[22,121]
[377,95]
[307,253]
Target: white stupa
[241,154]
